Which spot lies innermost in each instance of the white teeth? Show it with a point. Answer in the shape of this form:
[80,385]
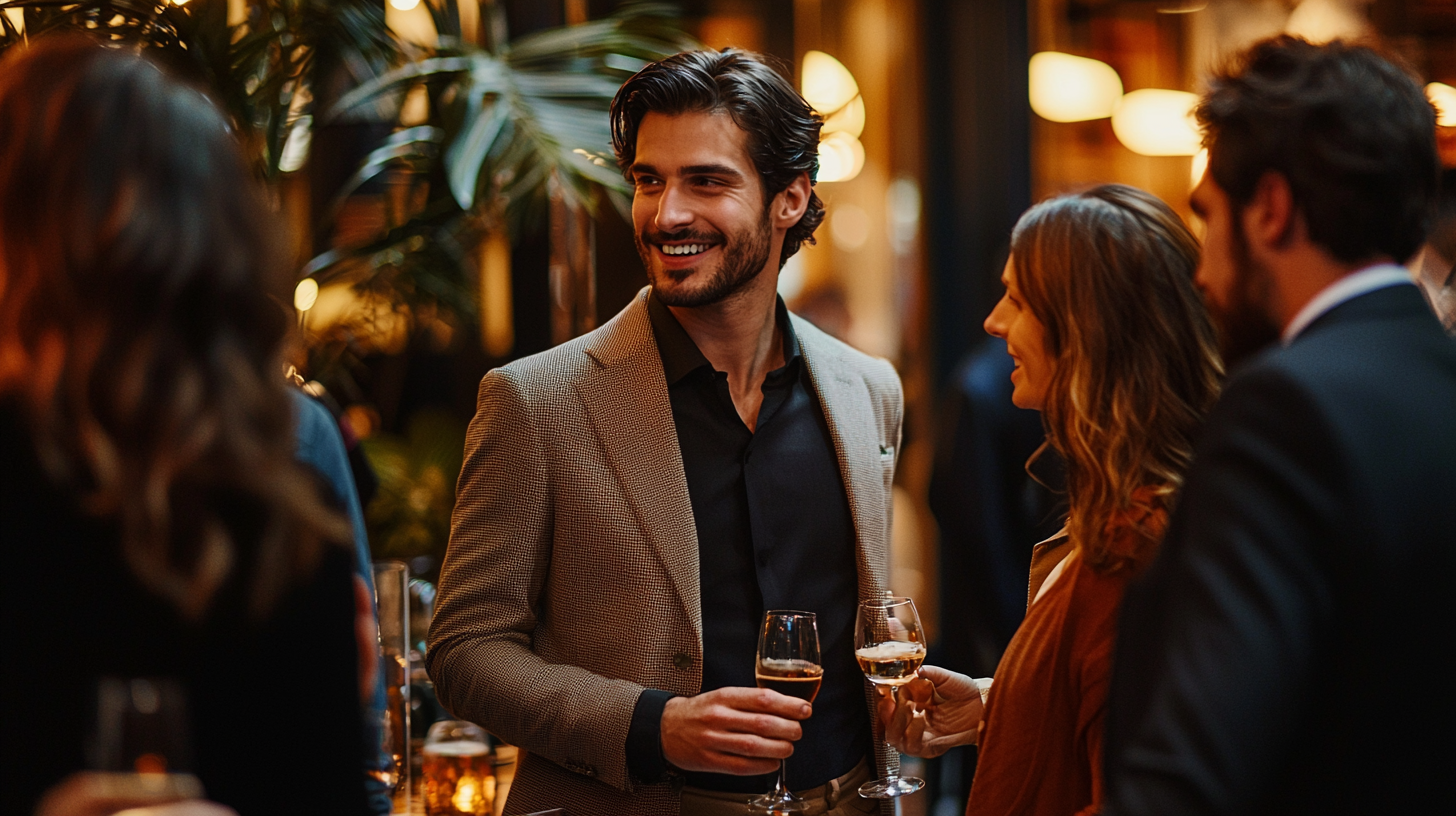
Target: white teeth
[685,249]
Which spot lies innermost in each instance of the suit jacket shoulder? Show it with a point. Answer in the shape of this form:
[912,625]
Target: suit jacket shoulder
[1312,543]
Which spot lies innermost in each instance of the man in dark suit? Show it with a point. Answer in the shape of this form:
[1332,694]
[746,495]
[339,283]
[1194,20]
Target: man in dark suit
[1290,650]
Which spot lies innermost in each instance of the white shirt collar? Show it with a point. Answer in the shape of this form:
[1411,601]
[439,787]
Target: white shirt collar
[1349,287]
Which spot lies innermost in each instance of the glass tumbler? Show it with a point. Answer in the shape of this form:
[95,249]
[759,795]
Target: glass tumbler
[458,780]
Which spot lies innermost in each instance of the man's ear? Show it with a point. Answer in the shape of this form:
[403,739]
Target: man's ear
[1271,218]
[789,206]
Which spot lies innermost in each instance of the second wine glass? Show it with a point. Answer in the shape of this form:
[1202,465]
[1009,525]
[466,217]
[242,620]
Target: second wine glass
[788,662]
[890,646]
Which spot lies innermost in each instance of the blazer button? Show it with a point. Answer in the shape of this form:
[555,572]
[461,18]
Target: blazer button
[682,660]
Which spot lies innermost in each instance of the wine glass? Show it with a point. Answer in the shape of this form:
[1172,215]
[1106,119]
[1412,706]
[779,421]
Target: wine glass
[142,742]
[788,662]
[890,646]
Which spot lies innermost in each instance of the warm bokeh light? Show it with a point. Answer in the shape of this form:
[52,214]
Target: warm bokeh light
[850,226]
[848,119]
[305,295]
[1443,96]
[1200,166]
[497,326]
[296,146]
[412,22]
[1065,88]
[1321,21]
[827,84]
[1157,122]
[841,157]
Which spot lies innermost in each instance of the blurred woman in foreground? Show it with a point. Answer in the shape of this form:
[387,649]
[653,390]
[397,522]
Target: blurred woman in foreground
[155,524]
[1113,346]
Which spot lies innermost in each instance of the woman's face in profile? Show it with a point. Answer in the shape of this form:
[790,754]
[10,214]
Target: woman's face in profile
[1025,338]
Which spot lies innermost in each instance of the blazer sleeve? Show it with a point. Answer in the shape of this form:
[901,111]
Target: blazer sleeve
[481,656]
[1218,641]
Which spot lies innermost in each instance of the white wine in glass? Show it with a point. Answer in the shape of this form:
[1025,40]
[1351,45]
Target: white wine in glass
[788,662]
[889,645]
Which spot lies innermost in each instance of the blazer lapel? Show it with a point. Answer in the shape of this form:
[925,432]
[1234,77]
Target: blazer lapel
[627,404]
[849,411]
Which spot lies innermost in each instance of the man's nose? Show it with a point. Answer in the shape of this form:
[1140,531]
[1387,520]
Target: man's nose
[673,210]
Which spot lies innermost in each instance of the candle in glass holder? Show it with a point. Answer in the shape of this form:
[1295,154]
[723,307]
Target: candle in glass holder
[458,780]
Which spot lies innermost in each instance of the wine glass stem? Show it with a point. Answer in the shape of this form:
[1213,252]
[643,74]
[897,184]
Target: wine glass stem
[892,767]
[780,791]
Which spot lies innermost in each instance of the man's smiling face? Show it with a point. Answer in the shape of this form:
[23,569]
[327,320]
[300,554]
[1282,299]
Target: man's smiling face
[698,209]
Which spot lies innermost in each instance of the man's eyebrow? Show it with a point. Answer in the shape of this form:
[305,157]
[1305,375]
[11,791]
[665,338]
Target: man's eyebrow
[711,170]
[639,167]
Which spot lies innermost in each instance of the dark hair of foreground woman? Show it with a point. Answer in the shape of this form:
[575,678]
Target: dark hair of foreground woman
[154,520]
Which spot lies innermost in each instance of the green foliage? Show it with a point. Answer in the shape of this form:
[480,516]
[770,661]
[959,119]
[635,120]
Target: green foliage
[504,123]
[261,70]
[503,126]
[410,516]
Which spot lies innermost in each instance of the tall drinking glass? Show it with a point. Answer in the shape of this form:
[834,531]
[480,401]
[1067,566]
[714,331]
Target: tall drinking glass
[788,662]
[890,646]
[391,591]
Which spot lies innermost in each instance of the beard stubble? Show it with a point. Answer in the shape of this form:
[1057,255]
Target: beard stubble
[745,256]
[1244,325]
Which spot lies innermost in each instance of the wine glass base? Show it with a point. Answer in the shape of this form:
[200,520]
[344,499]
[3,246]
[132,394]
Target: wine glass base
[891,788]
[778,803]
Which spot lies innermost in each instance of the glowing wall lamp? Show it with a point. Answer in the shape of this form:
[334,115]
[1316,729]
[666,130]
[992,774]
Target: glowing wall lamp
[830,89]
[1199,168]
[1156,122]
[1443,96]
[827,84]
[1320,21]
[841,157]
[1064,88]
[305,295]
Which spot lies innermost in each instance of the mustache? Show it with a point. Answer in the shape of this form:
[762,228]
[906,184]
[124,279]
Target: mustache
[698,236]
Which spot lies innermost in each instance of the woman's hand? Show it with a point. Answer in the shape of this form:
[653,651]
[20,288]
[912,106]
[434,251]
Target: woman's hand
[931,714]
[92,794]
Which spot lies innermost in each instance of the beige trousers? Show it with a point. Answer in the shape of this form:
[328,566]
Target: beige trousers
[838,797]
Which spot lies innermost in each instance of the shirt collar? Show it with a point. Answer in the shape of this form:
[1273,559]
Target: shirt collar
[1348,288]
[681,356]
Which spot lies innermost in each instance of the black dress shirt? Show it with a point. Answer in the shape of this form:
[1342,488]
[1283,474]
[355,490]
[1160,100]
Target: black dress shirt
[774,532]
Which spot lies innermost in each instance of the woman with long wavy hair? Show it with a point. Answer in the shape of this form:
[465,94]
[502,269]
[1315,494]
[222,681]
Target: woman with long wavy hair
[155,523]
[1114,347]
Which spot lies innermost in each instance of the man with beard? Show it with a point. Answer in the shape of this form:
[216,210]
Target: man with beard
[1290,650]
[634,500]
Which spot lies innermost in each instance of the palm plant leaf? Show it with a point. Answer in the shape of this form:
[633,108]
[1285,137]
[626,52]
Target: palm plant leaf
[259,69]
[515,122]
[548,93]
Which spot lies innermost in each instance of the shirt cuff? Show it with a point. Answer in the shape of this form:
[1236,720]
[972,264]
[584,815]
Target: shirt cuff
[644,738]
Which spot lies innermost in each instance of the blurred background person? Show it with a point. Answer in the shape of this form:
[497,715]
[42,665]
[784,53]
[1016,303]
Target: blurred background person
[1289,651]
[1113,345]
[1434,266]
[990,509]
[148,440]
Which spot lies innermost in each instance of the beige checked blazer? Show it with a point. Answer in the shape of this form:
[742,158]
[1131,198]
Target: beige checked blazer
[571,579]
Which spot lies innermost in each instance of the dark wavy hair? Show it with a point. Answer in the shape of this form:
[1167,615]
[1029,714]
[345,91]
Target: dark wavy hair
[143,324]
[1109,273]
[1352,132]
[783,131]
